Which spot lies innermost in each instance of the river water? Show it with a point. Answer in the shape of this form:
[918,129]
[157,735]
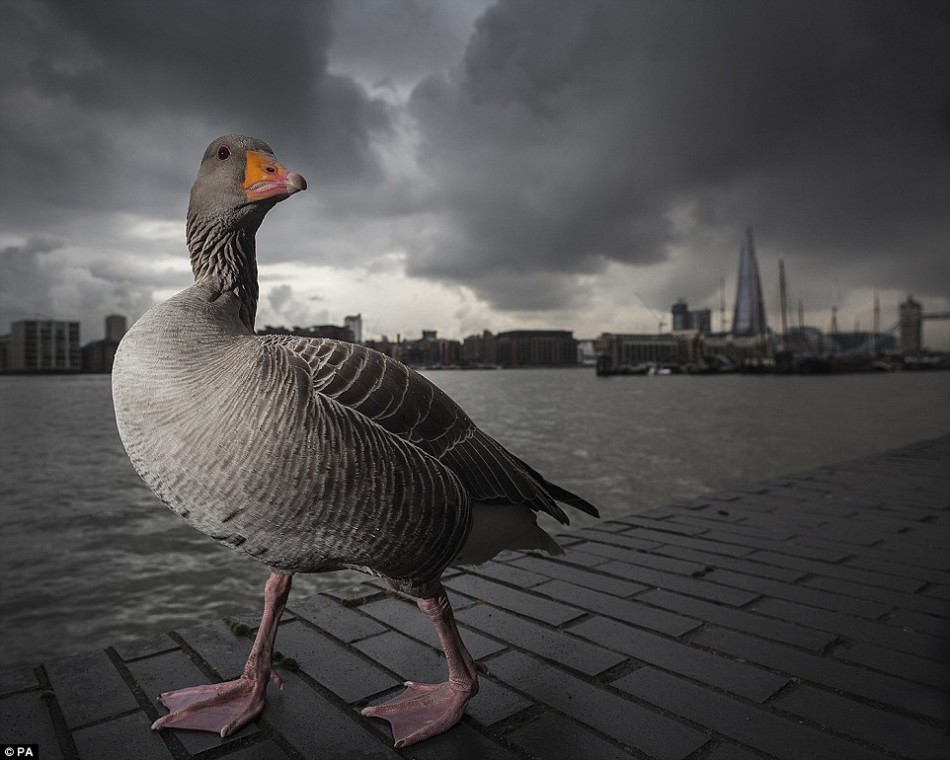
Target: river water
[89,557]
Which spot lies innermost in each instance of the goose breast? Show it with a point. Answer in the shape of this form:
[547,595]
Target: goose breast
[229,431]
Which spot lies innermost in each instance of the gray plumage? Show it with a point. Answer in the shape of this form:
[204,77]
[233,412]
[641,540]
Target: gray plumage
[306,454]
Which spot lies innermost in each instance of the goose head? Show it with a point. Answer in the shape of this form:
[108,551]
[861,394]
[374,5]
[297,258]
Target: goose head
[238,182]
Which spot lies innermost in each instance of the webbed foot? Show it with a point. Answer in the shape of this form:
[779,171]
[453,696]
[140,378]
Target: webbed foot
[221,708]
[423,710]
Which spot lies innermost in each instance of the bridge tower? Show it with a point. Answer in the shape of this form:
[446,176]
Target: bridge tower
[911,318]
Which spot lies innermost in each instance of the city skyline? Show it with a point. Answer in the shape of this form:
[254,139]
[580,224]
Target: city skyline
[690,320]
[477,165]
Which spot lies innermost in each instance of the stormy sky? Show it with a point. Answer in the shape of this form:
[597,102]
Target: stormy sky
[485,165]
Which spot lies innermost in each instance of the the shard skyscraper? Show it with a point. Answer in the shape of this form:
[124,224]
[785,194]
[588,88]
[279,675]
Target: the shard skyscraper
[748,319]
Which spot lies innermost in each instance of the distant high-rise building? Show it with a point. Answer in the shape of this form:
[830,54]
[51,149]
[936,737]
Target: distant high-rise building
[685,318]
[116,325]
[701,320]
[99,355]
[680,312]
[748,319]
[44,345]
[355,324]
[911,323]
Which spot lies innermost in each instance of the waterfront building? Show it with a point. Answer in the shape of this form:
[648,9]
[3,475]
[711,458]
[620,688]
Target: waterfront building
[384,345]
[44,345]
[911,325]
[742,351]
[99,356]
[748,318]
[536,348]
[480,350]
[629,350]
[431,351]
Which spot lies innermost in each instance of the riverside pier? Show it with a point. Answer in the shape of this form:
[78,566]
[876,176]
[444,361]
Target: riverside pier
[803,617]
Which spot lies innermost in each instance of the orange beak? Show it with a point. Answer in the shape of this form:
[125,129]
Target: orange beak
[265,178]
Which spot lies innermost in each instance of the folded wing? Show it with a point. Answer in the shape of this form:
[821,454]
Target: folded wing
[406,404]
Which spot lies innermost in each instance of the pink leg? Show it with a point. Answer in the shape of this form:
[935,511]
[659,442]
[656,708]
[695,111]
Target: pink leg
[424,710]
[224,708]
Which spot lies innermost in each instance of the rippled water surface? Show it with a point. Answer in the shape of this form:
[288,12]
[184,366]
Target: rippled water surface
[89,557]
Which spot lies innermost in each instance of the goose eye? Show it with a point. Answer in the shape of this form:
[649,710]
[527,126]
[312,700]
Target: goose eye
[224,152]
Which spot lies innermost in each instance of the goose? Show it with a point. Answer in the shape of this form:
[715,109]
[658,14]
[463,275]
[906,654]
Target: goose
[308,454]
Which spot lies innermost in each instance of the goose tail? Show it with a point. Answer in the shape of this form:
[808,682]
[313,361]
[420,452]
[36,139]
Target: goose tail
[561,494]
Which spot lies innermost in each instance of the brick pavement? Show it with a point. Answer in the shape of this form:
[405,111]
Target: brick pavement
[804,617]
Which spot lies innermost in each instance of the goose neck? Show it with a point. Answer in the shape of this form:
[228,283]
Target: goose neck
[226,259]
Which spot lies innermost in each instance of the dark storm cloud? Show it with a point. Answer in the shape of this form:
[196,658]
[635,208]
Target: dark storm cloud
[104,91]
[391,43]
[40,278]
[545,147]
[572,132]
[25,265]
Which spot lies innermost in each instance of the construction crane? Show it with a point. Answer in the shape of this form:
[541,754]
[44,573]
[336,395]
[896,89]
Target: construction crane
[659,317]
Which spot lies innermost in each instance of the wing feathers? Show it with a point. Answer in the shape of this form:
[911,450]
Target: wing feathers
[407,405]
